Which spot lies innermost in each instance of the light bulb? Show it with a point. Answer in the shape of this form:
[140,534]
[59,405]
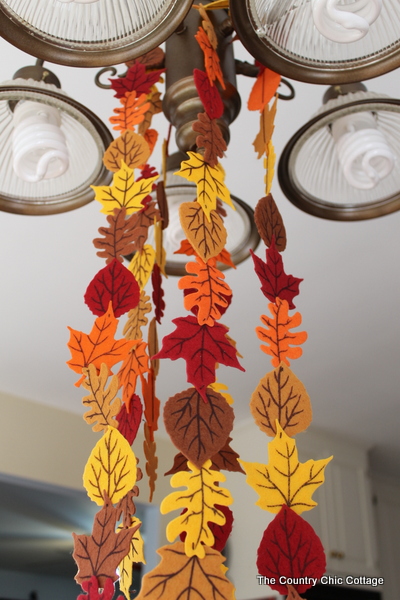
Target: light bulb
[39,146]
[345,23]
[362,150]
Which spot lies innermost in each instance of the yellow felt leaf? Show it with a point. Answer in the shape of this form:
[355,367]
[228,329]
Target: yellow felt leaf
[209,181]
[200,498]
[137,318]
[161,255]
[221,388]
[125,191]
[285,480]
[135,555]
[101,401]
[269,165]
[111,468]
[215,5]
[142,264]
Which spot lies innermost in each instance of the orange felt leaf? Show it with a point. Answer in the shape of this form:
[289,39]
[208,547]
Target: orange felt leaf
[130,148]
[264,89]
[264,135]
[211,290]
[277,336]
[132,111]
[211,59]
[135,364]
[99,346]
[151,137]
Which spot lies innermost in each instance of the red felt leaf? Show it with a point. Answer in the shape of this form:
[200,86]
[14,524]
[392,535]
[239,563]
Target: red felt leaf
[136,79]
[147,172]
[158,293]
[291,548]
[116,284]
[221,532]
[209,95]
[129,422]
[202,347]
[91,586]
[274,281]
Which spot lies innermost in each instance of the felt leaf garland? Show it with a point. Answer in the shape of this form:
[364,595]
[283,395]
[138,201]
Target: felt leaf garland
[130,148]
[264,135]
[269,223]
[278,337]
[129,422]
[285,480]
[210,138]
[139,223]
[209,95]
[264,89]
[116,285]
[134,107]
[207,236]
[200,499]
[137,79]
[137,318]
[101,401]
[111,468]
[134,555]
[119,237]
[142,264]
[154,107]
[211,59]
[135,364]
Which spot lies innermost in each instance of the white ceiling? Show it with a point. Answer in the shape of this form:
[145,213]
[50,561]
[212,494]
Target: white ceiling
[349,299]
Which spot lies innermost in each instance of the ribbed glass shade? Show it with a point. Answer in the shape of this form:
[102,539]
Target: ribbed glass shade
[86,140]
[99,33]
[282,34]
[310,173]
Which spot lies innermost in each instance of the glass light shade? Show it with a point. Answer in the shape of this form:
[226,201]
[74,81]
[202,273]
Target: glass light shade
[89,34]
[86,139]
[312,167]
[321,41]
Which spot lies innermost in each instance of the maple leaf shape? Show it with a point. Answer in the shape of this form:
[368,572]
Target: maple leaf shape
[211,290]
[198,429]
[202,347]
[129,422]
[150,448]
[135,364]
[124,192]
[99,554]
[285,480]
[142,264]
[264,88]
[209,95]
[278,338]
[155,107]
[274,281]
[130,148]
[210,138]
[227,459]
[202,494]
[137,79]
[209,181]
[207,237]
[102,402]
[266,129]
[211,59]
[280,396]
[137,318]
[132,111]
[290,548]
[116,285]
[97,347]
[158,293]
[269,223]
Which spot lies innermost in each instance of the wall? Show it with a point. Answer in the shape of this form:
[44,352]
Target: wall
[18,585]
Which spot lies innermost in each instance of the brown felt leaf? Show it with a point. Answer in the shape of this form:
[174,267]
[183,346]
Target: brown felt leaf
[264,135]
[281,396]
[154,107]
[129,147]
[198,429]
[151,402]
[210,138]
[269,223]
[135,365]
[292,593]
[153,345]
[101,401]
[119,238]
[139,224]
[137,318]
[162,204]
[99,554]
[153,59]
[180,464]
[182,577]
[126,506]
[226,459]
[150,450]
[207,237]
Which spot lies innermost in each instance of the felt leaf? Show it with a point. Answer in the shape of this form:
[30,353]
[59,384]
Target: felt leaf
[130,148]
[111,468]
[135,364]
[278,338]
[162,204]
[210,290]
[202,347]
[126,507]
[292,593]
[281,397]
[186,248]
[139,223]
[116,285]
[208,27]
[101,401]
[269,166]
[225,258]
[154,107]
[227,459]
[150,448]
[182,577]
[132,112]
[180,464]
[221,533]
[264,135]
[142,264]
[217,4]
[211,58]
[135,555]
[129,422]
[269,223]
[285,480]
[137,79]
[91,586]
[125,191]
[119,238]
[152,340]
[274,281]
[210,138]
[209,181]
[151,402]
[264,88]
[198,429]
[151,137]
[160,259]
[290,548]
[158,293]
[137,318]
[208,94]
[99,346]
[200,499]
[207,237]
[99,554]
[152,59]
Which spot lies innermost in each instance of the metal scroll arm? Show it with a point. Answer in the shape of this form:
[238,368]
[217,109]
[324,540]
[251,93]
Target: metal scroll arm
[249,70]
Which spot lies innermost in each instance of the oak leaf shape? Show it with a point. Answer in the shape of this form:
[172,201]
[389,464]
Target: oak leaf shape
[267,126]
[281,397]
[207,236]
[208,94]
[137,79]
[111,468]
[278,338]
[181,577]
[137,318]
[99,554]
[154,107]
[135,364]
[113,284]
[131,113]
[135,555]
[126,507]
[208,26]
[198,429]
[264,88]
[130,148]
[269,223]
[119,238]
[142,264]
[211,58]
[139,223]
[202,347]
[101,401]
[129,422]
[285,480]
[203,493]
[210,138]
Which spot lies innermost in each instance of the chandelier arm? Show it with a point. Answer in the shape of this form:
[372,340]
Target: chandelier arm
[112,71]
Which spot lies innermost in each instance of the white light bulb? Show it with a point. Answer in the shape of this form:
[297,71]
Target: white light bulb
[345,23]
[363,151]
[39,146]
